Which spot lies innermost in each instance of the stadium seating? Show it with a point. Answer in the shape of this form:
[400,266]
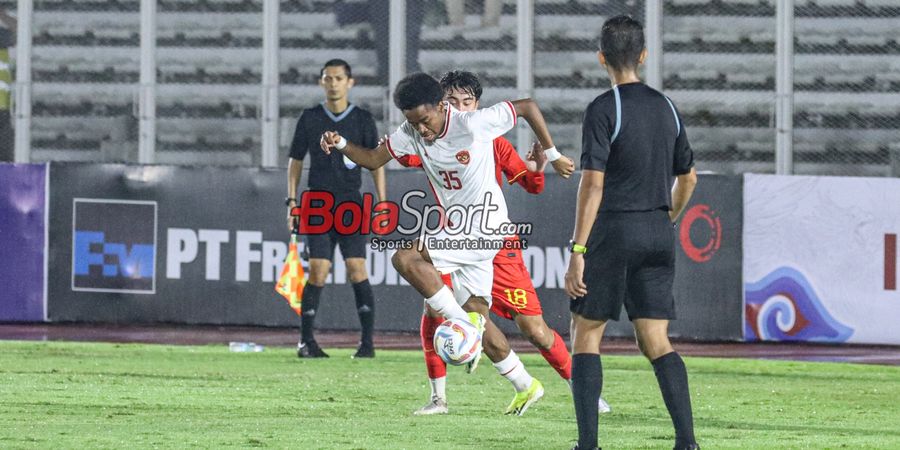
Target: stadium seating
[718,66]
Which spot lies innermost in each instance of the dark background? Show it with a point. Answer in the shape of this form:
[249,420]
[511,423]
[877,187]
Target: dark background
[708,294]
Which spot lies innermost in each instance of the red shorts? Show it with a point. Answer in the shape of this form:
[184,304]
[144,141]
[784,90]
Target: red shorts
[512,293]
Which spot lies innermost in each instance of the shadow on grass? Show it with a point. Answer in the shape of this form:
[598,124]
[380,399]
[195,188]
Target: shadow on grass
[809,429]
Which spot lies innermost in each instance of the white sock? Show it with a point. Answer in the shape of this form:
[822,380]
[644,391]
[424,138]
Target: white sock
[445,304]
[439,388]
[513,370]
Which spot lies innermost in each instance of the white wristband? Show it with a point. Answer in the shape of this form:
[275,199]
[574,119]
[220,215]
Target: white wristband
[552,154]
[340,144]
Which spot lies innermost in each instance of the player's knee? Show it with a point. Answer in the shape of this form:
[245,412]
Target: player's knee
[318,279]
[653,348]
[402,259]
[537,335]
[357,273]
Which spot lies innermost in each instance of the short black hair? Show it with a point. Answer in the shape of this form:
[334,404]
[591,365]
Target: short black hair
[622,41]
[336,63]
[462,80]
[417,89]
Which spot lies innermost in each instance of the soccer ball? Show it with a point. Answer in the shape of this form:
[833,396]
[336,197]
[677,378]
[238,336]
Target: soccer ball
[457,341]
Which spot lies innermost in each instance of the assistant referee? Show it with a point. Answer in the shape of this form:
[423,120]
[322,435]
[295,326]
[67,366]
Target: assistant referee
[341,177]
[623,250]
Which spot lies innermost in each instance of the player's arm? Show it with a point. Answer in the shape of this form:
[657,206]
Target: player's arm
[297,152]
[590,195]
[535,162]
[683,168]
[529,110]
[595,148]
[378,175]
[681,193]
[295,173]
[368,158]
[370,139]
[529,175]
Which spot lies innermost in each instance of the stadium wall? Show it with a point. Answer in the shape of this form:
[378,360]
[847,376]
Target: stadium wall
[23,237]
[192,245]
[22,242]
[820,259]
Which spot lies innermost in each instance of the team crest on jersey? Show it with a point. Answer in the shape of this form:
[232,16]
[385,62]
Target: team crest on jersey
[463,157]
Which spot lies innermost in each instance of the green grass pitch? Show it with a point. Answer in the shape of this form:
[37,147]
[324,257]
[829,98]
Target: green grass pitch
[77,395]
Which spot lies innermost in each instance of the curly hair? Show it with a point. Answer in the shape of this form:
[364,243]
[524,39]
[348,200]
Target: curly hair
[417,89]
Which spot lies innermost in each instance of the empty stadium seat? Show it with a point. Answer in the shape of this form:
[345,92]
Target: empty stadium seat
[718,67]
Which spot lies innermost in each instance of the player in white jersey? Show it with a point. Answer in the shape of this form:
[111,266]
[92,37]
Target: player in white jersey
[456,150]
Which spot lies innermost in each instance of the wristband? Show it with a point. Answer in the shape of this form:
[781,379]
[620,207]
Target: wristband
[552,154]
[576,248]
[340,144]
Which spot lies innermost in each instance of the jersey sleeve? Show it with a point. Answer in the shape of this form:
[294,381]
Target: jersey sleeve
[490,123]
[402,147]
[301,140]
[533,182]
[595,137]
[684,155]
[514,168]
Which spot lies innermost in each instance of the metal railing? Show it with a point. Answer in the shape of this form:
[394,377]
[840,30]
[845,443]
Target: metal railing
[765,86]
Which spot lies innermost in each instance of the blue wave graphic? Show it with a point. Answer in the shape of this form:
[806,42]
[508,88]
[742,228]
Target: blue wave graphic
[783,306]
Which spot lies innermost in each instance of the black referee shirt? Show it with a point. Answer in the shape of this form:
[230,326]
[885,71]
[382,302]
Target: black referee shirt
[333,172]
[634,134]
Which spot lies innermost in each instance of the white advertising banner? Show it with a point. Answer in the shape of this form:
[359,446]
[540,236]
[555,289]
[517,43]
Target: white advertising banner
[820,259]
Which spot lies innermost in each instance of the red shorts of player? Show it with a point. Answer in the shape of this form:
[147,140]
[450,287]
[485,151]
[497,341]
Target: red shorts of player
[513,293]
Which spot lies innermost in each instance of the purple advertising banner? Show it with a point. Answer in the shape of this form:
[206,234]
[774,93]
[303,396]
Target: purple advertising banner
[22,238]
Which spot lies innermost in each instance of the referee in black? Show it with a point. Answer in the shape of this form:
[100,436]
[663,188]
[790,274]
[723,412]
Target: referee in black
[623,250]
[341,177]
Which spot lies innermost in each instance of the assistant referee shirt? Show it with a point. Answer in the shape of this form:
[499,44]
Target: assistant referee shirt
[634,134]
[334,172]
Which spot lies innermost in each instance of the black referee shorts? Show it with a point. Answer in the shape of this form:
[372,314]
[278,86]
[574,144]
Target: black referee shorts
[630,260]
[353,245]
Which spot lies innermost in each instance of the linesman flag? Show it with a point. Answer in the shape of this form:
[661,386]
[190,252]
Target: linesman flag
[290,283]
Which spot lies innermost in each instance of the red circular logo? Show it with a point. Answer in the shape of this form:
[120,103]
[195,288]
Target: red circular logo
[701,214]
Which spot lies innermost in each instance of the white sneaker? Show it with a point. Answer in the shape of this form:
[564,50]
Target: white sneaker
[603,407]
[437,405]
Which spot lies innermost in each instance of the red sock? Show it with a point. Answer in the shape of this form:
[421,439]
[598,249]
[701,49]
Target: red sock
[436,366]
[558,356]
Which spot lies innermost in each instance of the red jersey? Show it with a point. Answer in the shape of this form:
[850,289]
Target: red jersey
[508,162]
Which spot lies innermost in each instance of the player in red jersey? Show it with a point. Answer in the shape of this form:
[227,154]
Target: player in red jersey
[514,297]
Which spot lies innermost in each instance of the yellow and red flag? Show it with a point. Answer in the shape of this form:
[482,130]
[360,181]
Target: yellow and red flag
[290,283]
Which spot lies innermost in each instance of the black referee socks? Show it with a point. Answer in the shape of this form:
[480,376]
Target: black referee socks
[673,383]
[365,307]
[310,306]
[587,381]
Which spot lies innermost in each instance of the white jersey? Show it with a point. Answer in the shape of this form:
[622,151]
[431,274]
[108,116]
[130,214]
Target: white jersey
[459,164]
